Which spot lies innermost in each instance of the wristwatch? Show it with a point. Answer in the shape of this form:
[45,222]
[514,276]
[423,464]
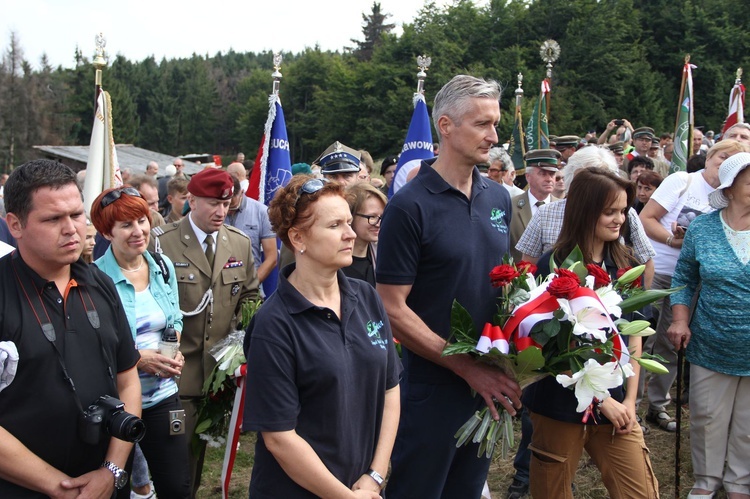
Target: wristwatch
[121,476]
[375,476]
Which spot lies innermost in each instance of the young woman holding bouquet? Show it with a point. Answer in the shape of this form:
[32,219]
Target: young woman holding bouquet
[322,370]
[594,219]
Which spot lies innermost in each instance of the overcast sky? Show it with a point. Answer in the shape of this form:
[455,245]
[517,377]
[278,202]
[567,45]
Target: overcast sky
[169,28]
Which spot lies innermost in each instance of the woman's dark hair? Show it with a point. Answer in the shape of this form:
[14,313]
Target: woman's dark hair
[651,178]
[591,191]
[643,161]
[696,163]
[291,207]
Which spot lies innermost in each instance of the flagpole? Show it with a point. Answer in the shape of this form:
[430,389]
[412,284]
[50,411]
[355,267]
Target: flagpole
[423,63]
[740,108]
[519,91]
[549,52]
[682,96]
[100,62]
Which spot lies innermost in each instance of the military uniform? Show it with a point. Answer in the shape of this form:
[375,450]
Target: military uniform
[232,280]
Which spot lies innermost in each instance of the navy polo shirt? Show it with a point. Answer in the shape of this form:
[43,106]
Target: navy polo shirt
[323,377]
[39,407]
[444,245]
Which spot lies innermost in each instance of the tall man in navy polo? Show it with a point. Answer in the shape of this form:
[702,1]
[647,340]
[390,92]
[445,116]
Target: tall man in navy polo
[441,235]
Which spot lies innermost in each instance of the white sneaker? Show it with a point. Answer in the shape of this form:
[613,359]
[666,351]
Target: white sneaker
[150,495]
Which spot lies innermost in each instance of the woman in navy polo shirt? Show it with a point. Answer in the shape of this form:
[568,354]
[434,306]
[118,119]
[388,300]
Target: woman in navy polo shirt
[323,374]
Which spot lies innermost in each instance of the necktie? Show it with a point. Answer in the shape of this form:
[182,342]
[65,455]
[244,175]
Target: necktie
[539,203]
[210,249]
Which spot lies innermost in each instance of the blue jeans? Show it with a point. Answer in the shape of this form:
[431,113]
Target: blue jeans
[522,462]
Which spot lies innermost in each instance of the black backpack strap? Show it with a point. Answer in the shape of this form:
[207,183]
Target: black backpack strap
[162,265]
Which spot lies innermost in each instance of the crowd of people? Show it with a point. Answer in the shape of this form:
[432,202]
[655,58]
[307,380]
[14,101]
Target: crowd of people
[115,314]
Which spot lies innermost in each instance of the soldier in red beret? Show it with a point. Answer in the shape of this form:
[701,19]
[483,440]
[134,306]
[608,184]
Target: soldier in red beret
[215,275]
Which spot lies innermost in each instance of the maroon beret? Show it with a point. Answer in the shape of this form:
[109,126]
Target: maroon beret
[211,183]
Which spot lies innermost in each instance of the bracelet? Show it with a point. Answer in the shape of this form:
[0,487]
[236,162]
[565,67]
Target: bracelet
[669,241]
[375,476]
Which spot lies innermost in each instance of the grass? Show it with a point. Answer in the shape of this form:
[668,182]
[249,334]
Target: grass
[588,481]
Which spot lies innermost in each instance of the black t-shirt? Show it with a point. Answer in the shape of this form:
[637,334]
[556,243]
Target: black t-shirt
[362,268]
[444,245]
[323,377]
[39,407]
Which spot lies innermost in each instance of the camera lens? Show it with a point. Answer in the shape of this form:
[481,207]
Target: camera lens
[176,426]
[127,427]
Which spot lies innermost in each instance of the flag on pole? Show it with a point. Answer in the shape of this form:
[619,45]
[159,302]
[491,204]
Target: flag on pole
[102,168]
[736,106]
[272,169]
[417,146]
[517,144]
[537,131]
[683,133]
[273,165]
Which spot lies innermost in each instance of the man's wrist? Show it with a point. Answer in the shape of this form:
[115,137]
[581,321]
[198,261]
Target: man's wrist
[376,477]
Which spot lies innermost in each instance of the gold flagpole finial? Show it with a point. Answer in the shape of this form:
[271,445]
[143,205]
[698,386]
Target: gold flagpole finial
[100,61]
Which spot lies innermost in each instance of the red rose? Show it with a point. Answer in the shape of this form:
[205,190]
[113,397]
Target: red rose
[635,284]
[563,287]
[529,267]
[601,277]
[502,275]
[566,273]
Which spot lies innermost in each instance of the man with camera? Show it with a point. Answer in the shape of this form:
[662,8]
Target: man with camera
[75,381]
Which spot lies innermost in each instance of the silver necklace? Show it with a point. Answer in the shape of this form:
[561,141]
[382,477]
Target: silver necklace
[134,270]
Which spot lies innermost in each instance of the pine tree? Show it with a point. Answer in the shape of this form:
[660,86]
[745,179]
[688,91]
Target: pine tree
[374,28]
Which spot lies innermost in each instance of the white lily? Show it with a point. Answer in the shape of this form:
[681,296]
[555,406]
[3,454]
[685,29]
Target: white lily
[594,380]
[610,299]
[588,321]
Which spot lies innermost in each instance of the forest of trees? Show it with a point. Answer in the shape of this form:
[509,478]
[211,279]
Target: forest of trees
[620,59]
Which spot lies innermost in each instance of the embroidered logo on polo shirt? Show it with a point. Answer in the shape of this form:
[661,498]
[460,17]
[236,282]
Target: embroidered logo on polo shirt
[497,219]
[373,331]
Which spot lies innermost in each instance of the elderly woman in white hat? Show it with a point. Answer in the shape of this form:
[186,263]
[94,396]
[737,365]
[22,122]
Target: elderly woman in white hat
[716,254]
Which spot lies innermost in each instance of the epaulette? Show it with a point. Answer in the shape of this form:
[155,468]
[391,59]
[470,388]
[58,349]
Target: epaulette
[236,230]
[163,229]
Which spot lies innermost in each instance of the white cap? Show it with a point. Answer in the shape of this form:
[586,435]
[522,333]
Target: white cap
[728,171]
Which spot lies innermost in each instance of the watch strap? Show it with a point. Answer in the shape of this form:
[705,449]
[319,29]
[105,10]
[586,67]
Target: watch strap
[120,475]
[376,476]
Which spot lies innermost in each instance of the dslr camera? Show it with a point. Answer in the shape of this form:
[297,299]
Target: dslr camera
[107,416]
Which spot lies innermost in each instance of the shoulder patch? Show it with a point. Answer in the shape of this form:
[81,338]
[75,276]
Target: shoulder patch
[163,229]
[236,231]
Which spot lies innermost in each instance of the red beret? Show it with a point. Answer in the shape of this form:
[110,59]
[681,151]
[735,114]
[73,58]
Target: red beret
[211,183]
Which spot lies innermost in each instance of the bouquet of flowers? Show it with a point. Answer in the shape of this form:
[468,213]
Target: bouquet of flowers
[215,406]
[568,324]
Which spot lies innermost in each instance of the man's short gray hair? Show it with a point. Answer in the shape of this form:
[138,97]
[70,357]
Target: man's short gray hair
[588,157]
[500,154]
[450,100]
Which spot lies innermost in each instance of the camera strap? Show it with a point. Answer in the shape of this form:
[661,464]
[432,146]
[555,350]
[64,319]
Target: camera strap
[48,329]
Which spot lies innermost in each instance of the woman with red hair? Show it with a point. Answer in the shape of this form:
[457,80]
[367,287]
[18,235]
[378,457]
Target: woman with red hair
[148,290]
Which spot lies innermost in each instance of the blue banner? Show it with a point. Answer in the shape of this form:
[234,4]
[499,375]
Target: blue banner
[417,146]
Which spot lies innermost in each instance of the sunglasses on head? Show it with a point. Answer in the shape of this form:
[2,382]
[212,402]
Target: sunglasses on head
[113,196]
[311,187]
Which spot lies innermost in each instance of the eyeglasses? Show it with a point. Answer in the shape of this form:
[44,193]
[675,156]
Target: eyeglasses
[371,219]
[113,196]
[494,170]
[311,187]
